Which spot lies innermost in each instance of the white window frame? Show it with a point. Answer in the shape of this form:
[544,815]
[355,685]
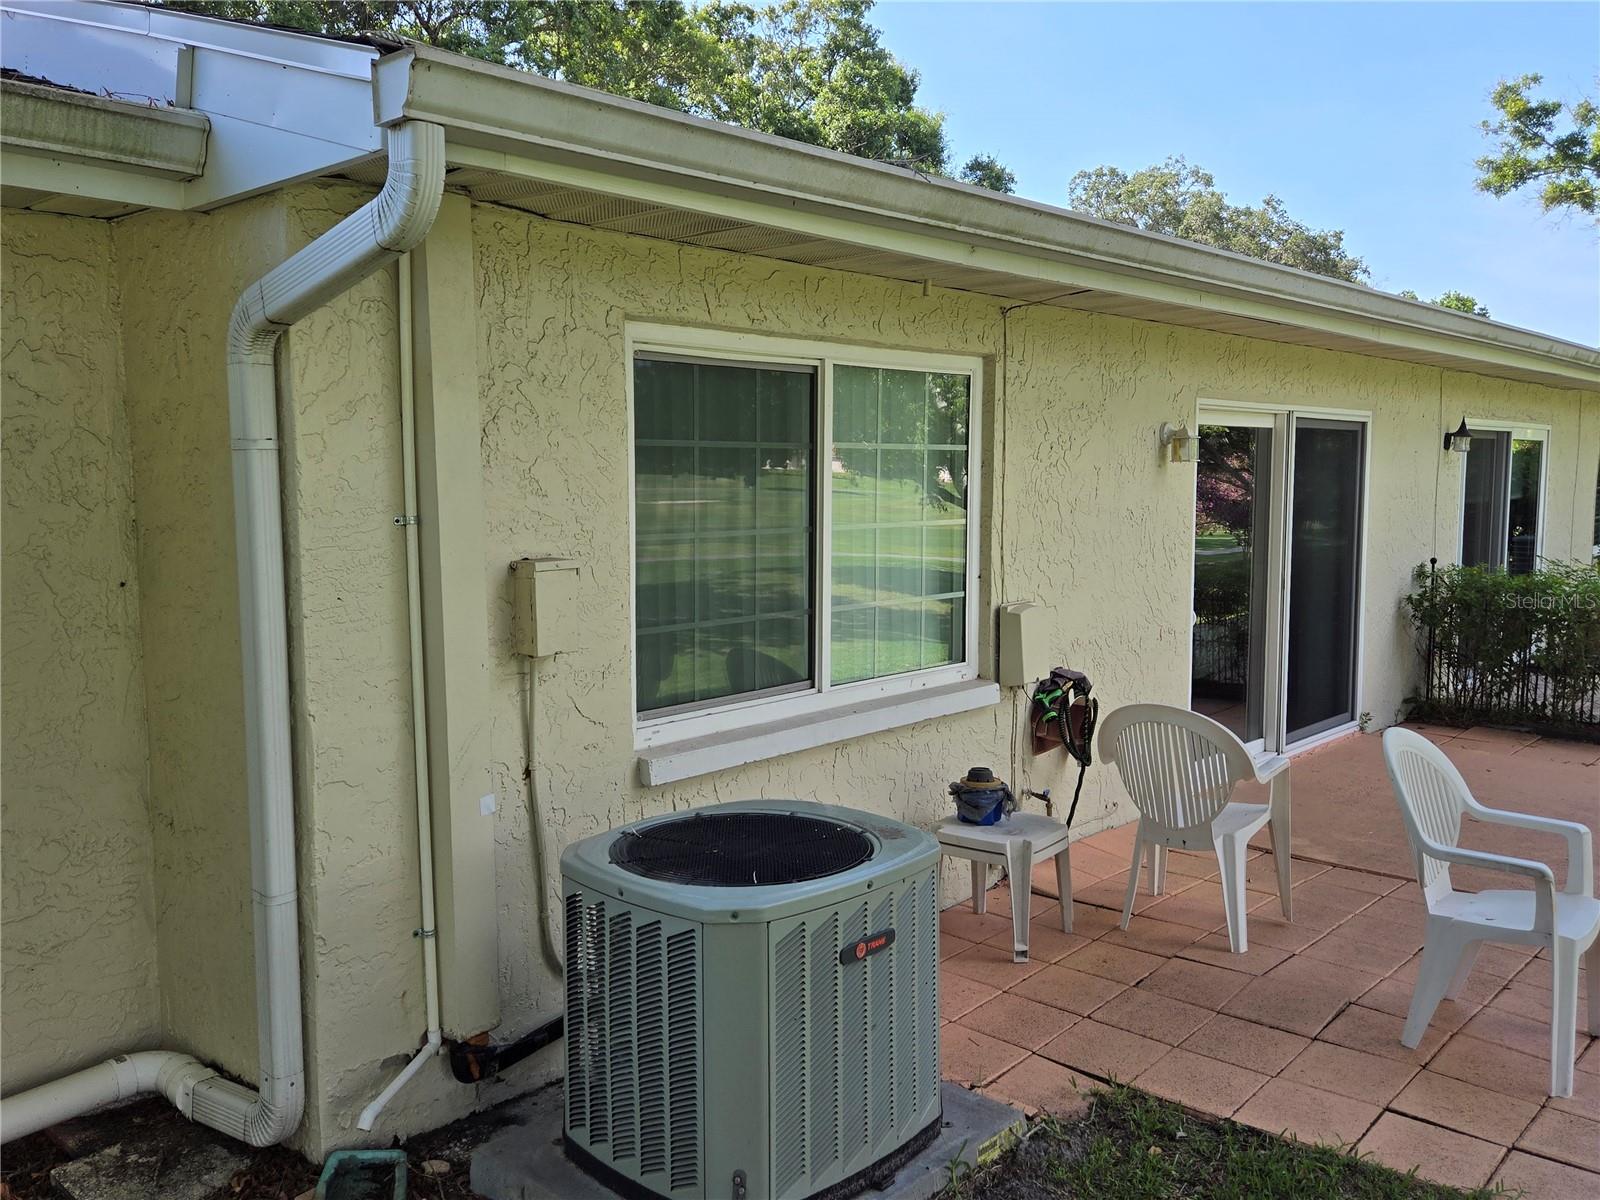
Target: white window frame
[1520,432]
[823,696]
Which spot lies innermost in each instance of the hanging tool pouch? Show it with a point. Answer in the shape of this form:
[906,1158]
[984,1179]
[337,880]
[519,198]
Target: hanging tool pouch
[1064,714]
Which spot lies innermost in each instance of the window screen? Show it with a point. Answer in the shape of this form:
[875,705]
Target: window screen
[899,521]
[724,502]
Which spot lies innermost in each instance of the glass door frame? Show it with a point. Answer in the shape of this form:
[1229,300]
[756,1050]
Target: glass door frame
[1280,418]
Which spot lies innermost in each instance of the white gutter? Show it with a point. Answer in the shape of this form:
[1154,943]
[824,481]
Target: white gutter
[428,933]
[394,221]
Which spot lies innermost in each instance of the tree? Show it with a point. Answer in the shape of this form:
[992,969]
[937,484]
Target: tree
[812,70]
[1565,166]
[1459,301]
[986,171]
[1183,201]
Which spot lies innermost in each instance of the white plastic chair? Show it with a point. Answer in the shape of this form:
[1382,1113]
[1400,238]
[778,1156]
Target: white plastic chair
[1016,843]
[1181,768]
[1433,797]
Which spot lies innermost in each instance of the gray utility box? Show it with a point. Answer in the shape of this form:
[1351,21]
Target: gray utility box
[752,1001]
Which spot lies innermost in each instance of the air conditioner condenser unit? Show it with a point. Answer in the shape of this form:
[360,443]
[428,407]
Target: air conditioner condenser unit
[752,1000]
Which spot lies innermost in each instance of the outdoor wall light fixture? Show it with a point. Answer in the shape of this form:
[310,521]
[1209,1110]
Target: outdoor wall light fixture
[1180,442]
[1461,440]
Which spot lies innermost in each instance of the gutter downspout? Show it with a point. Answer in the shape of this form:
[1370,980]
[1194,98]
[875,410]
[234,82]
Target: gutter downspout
[388,225]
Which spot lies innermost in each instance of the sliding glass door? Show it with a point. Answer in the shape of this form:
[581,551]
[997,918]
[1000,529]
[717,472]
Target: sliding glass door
[1232,543]
[1277,573]
[1324,576]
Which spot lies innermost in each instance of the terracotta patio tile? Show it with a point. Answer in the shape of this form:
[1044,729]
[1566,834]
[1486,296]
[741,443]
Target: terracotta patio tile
[1561,751]
[1284,1004]
[1116,840]
[1196,982]
[1497,737]
[1112,894]
[1504,1028]
[1385,931]
[1589,1060]
[1040,908]
[1261,873]
[1047,943]
[1246,1044]
[1345,946]
[1347,1072]
[1530,1003]
[1152,1015]
[1503,962]
[1043,881]
[1153,936]
[1442,1155]
[975,927]
[1307,1114]
[1585,1098]
[1203,1084]
[991,965]
[1393,996]
[1103,1051]
[1536,973]
[1324,893]
[1464,1107]
[950,944]
[1198,865]
[1062,987]
[972,1059]
[1039,1085]
[1540,1179]
[1564,1137]
[1267,928]
[1435,733]
[1213,949]
[1018,1020]
[1362,1028]
[1096,862]
[1090,921]
[959,995]
[1201,906]
[1362,881]
[1113,962]
[1494,1067]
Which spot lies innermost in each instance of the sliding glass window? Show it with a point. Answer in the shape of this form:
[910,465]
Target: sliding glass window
[764,567]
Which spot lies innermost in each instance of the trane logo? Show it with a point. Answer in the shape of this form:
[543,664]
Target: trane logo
[871,944]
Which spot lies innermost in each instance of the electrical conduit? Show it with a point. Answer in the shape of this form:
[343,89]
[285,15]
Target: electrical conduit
[394,221]
[419,733]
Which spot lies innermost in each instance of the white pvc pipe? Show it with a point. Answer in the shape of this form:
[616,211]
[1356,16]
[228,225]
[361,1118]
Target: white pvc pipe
[394,221]
[419,727]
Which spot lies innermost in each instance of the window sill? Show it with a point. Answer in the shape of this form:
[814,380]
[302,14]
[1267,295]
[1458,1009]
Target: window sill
[719,752]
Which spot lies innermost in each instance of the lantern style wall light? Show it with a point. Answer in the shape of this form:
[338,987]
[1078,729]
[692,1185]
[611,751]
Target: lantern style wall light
[1461,440]
[1182,444]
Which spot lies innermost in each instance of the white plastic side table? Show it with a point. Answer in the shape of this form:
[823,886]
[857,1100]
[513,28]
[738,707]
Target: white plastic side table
[1016,843]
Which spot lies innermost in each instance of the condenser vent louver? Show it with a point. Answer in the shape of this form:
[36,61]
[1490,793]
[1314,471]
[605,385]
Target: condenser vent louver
[752,1001]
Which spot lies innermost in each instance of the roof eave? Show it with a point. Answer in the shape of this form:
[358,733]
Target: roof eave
[544,129]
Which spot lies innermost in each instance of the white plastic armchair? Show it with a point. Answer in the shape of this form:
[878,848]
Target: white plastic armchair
[1433,798]
[1181,769]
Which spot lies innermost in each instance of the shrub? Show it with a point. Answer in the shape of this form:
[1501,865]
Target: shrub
[1513,649]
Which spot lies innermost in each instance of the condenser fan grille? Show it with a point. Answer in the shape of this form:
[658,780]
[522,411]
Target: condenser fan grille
[742,849]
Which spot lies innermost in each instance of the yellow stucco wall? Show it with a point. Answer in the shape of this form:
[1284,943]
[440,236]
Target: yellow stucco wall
[1072,396]
[78,961]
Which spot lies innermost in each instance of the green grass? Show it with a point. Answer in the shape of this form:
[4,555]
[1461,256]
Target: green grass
[1132,1146]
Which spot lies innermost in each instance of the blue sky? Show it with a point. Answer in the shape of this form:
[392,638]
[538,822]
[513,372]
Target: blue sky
[1362,117]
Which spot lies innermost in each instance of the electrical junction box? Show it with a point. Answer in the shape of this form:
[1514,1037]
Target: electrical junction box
[544,604]
[1024,652]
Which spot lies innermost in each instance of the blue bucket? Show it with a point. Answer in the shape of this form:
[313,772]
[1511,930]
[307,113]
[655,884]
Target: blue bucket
[362,1175]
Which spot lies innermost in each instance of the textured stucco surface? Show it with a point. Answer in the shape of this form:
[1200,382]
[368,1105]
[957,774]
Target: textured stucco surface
[181,274]
[1070,396]
[79,960]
